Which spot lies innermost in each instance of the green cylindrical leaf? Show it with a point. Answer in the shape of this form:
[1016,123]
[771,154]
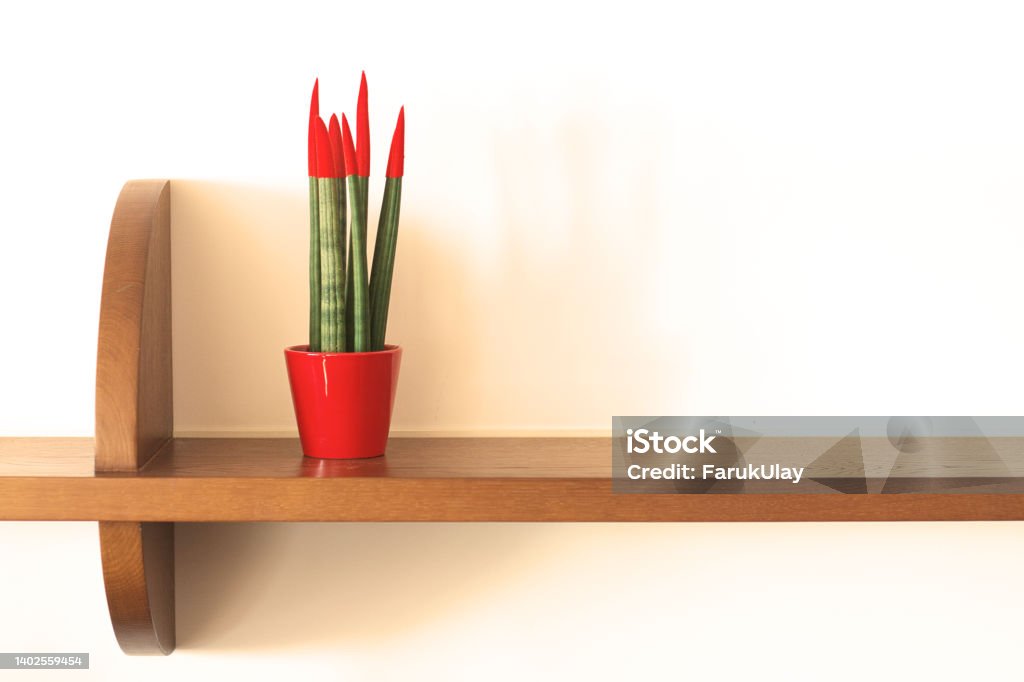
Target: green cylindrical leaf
[327,341]
[357,304]
[314,265]
[384,261]
[338,263]
[350,309]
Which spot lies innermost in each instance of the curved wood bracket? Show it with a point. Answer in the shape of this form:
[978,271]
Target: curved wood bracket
[134,410]
[138,571]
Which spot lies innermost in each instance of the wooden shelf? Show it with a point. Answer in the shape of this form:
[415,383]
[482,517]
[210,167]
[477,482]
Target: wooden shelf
[420,479]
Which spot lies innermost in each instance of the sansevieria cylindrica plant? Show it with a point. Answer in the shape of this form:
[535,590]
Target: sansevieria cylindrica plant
[348,302]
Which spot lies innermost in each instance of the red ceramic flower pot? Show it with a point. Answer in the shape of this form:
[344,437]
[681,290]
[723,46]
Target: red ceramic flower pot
[343,401]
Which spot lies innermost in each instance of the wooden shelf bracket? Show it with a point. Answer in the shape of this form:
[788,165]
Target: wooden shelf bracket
[134,410]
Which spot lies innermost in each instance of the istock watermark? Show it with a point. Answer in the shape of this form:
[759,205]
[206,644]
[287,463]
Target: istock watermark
[642,441]
[817,455]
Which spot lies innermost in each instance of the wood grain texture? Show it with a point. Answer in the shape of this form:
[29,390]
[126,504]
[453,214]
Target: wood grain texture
[462,479]
[46,457]
[492,458]
[134,410]
[134,415]
[472,458]
[480,499]
[138,571]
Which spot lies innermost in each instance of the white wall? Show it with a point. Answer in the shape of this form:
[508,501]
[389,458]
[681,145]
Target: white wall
[735,208]
[558,601]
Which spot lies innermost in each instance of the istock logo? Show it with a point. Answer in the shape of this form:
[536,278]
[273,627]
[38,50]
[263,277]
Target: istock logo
[642,441]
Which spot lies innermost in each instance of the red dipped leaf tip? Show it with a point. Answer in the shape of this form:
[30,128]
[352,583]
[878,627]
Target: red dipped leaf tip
[334,132]
[324,157]
[349,147]
[312,146]
[314,112]
[363,130]
[396,160]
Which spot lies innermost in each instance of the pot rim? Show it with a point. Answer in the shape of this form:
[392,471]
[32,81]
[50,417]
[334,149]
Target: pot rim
[303,350]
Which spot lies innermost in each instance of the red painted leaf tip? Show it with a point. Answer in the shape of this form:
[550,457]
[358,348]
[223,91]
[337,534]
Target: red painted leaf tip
[314,112]
[324,157]
[363,130]
[311,152]
[337,147]
[349,147]
[396,160]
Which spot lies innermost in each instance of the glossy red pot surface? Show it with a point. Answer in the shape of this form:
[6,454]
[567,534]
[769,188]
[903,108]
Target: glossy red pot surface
[343,401]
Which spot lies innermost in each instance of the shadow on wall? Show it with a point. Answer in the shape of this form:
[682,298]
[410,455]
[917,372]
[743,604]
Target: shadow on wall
[240,273]
[286,586]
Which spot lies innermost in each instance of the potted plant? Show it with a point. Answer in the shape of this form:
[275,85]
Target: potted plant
[344,380]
